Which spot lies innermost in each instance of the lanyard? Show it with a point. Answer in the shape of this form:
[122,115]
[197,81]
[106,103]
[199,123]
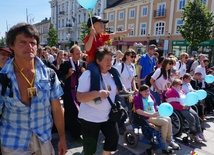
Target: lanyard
[20,70]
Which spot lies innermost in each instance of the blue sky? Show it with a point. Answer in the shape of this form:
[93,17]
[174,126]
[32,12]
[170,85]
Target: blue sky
[14,11]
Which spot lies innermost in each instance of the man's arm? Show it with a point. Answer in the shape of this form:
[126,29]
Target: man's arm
[58,117]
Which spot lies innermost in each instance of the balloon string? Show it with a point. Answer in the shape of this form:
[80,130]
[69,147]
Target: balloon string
[92,25]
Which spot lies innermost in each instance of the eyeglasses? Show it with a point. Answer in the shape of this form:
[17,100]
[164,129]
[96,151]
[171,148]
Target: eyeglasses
[170,63]
[132,56]
[180,84]
[5,54]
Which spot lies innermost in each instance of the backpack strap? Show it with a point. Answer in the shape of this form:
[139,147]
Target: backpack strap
[114,61]
[160,74]
[122,67]
[179,64]
[6,83]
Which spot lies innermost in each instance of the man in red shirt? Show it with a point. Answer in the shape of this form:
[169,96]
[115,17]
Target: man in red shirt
[95,39]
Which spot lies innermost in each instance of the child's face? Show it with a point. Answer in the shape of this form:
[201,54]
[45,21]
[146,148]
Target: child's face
[145,93]
[99,27]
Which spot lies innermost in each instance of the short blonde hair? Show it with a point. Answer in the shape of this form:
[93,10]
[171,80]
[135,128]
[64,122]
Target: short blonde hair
[183,54]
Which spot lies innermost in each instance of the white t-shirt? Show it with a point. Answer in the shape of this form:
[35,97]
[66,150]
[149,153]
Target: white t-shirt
[90,111]
[115,62]
[51,58]
[128,74]
[161,82]
[181,68]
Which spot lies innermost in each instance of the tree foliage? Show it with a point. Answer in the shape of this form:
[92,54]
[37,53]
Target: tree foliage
[52,36]
[84,31]
[2,42]
[198,21]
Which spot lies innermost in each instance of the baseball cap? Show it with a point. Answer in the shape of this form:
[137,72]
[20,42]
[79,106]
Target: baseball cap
[96,19]
[6,49]
[153,47]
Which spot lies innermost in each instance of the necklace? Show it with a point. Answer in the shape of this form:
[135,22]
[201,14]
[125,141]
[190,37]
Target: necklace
[32,92]
[106,81]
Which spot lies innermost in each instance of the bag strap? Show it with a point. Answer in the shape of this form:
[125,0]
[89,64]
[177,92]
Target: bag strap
[104,87]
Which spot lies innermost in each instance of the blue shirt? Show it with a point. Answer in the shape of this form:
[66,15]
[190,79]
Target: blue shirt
[19,120]
[148,64]
[148,105]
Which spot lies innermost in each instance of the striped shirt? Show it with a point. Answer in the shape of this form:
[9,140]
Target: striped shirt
[19,120]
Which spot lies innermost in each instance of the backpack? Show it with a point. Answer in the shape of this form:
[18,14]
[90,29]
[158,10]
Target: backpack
[148,78]
[6,83]
[123,67]
[189,65]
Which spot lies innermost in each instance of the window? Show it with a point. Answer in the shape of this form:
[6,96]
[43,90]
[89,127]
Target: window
[161,10]
[120,28]
[132,31]
[98,12]
[159,28]
[121,15]
[143,29]
[111,17]
[131,14]
[144,11]
[181,4]
[179,22]
[63,22]
[204,2]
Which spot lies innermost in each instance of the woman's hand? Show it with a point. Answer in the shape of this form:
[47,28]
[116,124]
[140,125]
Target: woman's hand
[104,94]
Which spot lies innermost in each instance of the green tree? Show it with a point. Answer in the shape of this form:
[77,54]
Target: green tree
[198,21]
[2,42]
[84,31]
[52,36]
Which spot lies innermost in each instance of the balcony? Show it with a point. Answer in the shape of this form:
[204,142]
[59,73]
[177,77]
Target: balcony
[68,25]
[62,13]
[160,13]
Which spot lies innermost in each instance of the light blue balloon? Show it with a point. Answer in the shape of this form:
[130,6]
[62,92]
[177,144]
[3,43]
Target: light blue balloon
[191,99]
[209,78]
[202,94]
[165,109]
[87,4]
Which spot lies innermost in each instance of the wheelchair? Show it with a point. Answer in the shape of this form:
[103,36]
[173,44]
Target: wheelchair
[150,134]
[181,125]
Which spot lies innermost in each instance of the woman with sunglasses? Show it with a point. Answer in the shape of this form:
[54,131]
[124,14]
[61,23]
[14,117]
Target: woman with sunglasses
[127,73]
[176,97]
[160,79]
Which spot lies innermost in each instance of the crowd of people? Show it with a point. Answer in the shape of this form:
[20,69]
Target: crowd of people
[84,81]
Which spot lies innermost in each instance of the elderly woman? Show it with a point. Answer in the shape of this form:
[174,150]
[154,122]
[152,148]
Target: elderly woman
[145,105]
[175,96]
[94,117]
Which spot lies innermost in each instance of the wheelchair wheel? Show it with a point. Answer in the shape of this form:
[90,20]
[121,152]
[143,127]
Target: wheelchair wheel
[177,124]
[130,138]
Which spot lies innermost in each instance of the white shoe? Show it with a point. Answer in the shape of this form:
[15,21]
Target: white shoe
[174,145]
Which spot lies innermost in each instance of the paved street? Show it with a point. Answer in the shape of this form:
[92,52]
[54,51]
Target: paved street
[75,147]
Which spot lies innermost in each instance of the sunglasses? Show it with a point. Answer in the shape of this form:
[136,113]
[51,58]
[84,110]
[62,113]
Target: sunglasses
[186,57]
[180,84]
[170,63]
[133,56]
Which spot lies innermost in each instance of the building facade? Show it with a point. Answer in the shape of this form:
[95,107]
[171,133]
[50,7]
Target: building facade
[43,28]
[153,21]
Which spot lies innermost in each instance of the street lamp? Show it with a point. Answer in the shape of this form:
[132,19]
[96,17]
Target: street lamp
[29,17]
